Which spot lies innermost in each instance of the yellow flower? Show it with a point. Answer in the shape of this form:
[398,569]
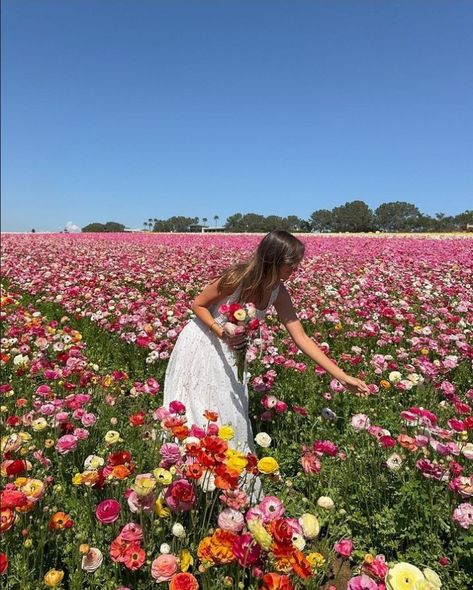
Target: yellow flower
[424,351]
[161,509]
[310,525]
[239,315]
[186,559]
[77,479]
[39,424]
[112,436]
[163,476]
[226,432]
[25,436]
[403,576]
[315,559]
[268,465]
[84,548]
[261,535]
[48,443]
[385,384]
[236,461]
[53,578]
[432,578]
[33,489]
[27,543]
[144,486]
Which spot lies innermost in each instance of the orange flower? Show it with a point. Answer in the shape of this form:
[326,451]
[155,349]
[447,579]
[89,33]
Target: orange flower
[7,519]
[181,432]
[276,582]
[193,471]
[385,384]
[288,558]
[183,582]
[225,479]
[407,442]
[217,549]
[211,416]
[192,449]
[120,472]
[60,521]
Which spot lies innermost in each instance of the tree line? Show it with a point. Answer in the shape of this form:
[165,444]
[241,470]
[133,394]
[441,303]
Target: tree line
[354,216]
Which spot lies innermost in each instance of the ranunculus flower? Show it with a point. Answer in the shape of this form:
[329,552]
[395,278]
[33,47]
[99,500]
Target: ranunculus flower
[3,563]
[403,576]
[271,508]
[53,578]
[164,567]
[183,581]
[231,520]
[268,465]
[180,495]
[325,502]
[344,547]
[310,525]
[92,560]
[108,511]
[246,550]
[66,444]
[362,582]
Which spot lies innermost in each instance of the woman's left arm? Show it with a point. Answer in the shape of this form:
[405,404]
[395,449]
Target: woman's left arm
[288,317]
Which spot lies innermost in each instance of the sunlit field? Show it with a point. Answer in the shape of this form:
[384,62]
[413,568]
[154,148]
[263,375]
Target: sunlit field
[102,487]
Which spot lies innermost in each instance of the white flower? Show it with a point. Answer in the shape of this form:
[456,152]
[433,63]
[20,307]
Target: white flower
[20,359]
[92,560]
[467,450]
[325,502]
[178,530]
[360,422]
[298,541]
[394,462]
[394,376]
[207,481]
[93,462]
[432,577]
[415,378]
[165,549]
[263,440]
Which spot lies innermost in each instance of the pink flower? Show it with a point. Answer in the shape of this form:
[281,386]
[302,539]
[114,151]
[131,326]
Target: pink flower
[177,407]
[171,455]
[137,503]
[66,444]
[362,582]
[344,547]
[360,422]
[131,532]
[231,520]
[88,419]
[325,447]
[108,511]
[271,508]
[463,515]
[246,550]
[164,567]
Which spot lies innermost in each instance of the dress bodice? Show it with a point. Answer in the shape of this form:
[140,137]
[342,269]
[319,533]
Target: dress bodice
[260,313]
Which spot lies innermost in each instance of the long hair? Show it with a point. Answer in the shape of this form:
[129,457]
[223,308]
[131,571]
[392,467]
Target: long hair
[260,272]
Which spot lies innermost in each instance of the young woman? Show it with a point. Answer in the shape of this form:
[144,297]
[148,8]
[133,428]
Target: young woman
[202,373]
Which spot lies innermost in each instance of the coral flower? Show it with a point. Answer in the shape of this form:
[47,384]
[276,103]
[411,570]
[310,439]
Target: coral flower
[134,557]
[164,567]
[183,581]
[60,521]
[276,582]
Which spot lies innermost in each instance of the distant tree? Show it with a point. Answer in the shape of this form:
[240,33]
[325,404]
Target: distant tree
[113,226]
[145,224]
[216,218]
[321,220]
[234,223]
[204,221]
[33,231]
[110,226]
[94,228]
[398,216]
[355,216]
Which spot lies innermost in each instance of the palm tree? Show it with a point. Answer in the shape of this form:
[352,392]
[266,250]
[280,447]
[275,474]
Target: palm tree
[145,224]
[216,218]
[204,220]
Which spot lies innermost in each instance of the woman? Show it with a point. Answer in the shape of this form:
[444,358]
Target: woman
[201,372]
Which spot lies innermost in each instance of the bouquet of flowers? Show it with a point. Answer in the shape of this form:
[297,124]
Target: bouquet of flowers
[241,318]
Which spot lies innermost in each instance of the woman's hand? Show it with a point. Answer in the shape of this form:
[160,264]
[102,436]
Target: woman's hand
[234,336]
[356,386]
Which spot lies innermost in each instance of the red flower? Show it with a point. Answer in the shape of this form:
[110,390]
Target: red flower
[12,499]
[276,582]
[281,530]
[137,419]
[16,467]
[119,458]
[3,563]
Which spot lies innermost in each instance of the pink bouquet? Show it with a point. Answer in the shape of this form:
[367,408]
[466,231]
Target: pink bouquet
[241,318]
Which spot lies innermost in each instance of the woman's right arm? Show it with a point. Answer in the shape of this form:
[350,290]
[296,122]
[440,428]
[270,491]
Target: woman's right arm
[200,306]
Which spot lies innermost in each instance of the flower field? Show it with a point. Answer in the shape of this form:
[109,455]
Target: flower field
[103,487]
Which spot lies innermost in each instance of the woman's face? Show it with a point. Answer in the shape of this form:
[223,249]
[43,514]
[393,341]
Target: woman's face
[285,270]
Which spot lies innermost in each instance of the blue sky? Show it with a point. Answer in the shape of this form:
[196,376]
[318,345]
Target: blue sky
[128,109]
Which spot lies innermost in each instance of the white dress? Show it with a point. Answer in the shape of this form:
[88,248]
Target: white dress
[202,374]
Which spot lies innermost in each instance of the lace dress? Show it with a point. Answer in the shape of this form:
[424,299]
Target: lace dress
[202,374]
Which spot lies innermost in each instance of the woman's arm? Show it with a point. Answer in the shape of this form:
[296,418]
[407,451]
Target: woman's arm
[288,317]
[211,294]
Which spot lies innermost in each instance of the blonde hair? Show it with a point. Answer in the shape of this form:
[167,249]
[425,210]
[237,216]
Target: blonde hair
[261,271]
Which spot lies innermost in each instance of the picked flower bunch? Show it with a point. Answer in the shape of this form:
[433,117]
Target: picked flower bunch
[241,318]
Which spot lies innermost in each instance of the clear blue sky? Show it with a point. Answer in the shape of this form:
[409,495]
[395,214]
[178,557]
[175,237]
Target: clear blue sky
[128,109]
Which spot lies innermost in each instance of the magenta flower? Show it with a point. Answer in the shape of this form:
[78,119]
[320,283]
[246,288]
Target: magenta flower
[344,547]
[108,511]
